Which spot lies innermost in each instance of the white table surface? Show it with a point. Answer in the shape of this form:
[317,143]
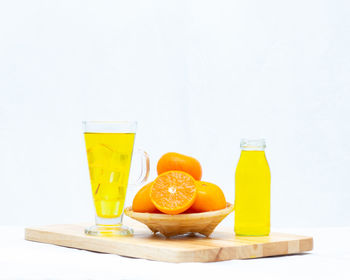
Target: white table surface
[20,259]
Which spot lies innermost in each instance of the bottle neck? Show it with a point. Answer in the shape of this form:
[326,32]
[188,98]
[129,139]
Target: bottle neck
[253,145]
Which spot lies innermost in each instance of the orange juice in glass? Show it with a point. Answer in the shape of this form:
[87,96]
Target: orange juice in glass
[109,148]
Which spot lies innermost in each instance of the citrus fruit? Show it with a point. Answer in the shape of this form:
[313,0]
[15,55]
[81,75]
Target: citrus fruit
[209,198]
[175,161]
[142,201]
[173,192]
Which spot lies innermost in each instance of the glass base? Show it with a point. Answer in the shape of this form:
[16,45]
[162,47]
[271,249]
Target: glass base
[109,230]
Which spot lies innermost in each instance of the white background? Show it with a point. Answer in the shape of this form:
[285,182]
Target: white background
[198,76]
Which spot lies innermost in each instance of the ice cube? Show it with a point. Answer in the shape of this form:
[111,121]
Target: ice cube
[114,177]
[100,155]
[120,159]
[97,174]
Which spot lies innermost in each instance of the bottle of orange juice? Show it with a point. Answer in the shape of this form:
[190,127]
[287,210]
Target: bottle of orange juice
[252,190]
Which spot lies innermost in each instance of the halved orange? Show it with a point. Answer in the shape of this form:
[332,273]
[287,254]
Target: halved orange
[173,192]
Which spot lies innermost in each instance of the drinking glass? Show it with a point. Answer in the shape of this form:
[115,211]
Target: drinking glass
[109,148]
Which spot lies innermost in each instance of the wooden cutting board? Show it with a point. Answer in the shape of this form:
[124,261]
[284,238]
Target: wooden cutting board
[221,245]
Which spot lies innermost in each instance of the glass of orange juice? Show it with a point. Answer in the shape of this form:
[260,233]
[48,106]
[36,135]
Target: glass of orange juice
[109,148]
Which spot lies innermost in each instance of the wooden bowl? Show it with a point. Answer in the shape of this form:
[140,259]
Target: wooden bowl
[170,225]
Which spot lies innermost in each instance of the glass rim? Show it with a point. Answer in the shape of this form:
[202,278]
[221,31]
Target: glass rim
[121,121]
[109,126]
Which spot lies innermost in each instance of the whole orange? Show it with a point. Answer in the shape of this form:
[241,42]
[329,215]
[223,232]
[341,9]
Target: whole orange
[209,198]
[179,162]
[142,200]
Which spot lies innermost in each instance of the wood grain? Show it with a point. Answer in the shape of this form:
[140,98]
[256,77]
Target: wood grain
[221,245]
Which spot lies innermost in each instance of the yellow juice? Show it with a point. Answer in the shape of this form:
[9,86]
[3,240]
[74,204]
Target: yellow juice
[109,159]
[252,194]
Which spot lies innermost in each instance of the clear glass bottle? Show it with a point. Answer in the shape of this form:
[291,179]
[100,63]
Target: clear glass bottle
[252,190]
